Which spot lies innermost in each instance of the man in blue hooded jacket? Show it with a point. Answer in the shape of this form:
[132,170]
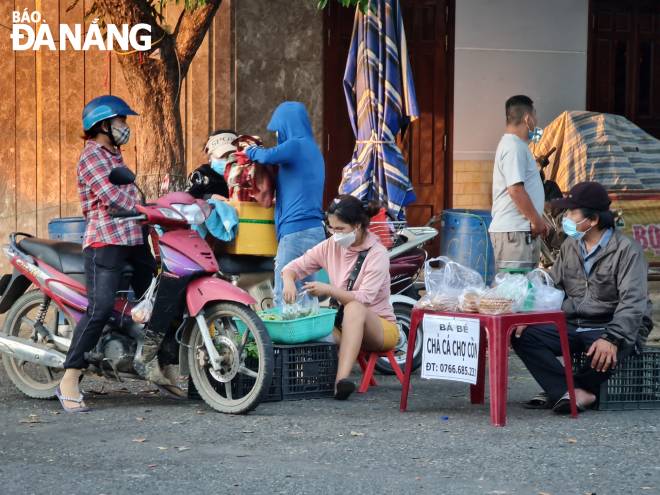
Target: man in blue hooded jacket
[299,185]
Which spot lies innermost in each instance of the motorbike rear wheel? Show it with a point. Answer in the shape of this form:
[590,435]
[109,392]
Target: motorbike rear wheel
[403,313]
[36,381]
[247,359]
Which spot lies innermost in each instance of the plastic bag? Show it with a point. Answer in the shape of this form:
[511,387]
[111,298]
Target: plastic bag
[468,301]
[305,305]
[141,312]
[509,295]
[446,282]
[438,302]
[450,278]
[546,296]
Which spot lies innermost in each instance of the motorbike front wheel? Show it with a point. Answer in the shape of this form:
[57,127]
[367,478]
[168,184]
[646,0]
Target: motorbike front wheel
[402,312]
[246,352]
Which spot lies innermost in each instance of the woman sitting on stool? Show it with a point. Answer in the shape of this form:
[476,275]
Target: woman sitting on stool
[368,320]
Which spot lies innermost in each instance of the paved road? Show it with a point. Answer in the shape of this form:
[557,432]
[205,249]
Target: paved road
[136,442]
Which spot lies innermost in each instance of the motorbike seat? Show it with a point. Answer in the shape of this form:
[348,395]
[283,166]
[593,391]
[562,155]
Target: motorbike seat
[66,257]
[238,264]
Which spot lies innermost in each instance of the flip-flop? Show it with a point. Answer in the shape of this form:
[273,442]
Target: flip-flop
[78,400]
[344,388]
[539,401]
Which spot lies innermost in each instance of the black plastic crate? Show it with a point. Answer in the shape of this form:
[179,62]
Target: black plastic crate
[634,384]
[242,384]
[303,371]
[308,371]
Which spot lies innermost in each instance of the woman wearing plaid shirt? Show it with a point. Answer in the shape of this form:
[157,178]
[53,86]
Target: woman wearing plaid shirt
[109,245]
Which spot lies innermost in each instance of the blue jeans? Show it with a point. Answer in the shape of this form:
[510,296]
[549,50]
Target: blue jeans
[293,246]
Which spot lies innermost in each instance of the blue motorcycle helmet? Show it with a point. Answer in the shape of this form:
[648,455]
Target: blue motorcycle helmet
[102,108]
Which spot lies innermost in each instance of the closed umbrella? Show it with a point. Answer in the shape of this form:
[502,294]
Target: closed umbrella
[381,102]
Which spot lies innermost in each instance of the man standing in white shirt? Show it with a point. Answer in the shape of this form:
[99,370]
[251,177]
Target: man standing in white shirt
[518,197]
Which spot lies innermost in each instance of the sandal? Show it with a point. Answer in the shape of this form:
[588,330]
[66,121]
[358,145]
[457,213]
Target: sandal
[563,405]
[539,401]
[78,400]
[343,389]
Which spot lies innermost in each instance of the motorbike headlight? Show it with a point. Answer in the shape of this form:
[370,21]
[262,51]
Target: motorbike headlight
[192,213]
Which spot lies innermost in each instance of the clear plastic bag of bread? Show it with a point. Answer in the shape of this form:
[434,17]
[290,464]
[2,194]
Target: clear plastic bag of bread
[509,294]
[439,302]
[468,300]
[445,281]
[546,296]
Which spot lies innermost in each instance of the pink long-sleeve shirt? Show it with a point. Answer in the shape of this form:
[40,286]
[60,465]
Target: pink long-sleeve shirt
[371,288]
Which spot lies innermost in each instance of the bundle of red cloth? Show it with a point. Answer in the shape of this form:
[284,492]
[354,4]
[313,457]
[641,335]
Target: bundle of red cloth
[246,180]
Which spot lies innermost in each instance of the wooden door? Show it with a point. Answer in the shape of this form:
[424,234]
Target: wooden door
[624,61]
[426,145]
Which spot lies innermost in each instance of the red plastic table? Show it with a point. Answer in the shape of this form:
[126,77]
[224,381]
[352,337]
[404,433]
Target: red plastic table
[498,329]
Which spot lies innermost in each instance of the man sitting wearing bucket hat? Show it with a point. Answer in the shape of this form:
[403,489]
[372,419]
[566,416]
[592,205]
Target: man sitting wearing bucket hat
[604,276]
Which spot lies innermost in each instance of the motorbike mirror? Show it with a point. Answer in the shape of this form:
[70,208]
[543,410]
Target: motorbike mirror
[122,176]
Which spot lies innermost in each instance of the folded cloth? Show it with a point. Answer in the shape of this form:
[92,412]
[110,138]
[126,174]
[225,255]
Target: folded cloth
[222,223]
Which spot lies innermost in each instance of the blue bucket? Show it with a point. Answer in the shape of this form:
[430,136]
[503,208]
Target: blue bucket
[322,276]
[70,229]
[464,239]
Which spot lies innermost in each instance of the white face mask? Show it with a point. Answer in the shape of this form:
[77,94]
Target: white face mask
[344,239]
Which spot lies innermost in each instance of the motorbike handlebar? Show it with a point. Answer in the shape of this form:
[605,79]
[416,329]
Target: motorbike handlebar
[123,213]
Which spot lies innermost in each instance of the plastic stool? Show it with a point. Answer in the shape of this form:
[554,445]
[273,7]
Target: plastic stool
[367,361]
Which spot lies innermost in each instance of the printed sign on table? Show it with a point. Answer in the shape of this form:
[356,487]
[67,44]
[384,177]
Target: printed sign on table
[451,349]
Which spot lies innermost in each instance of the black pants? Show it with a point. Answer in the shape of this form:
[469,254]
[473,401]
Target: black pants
[103,268]
[538,347]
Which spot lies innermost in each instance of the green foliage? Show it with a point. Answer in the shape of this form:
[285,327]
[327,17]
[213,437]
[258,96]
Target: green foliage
[361,4]
[188,4]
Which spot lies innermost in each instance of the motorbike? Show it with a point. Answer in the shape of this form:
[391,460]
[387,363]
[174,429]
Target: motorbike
[213,333]
[407,257]
[551,245]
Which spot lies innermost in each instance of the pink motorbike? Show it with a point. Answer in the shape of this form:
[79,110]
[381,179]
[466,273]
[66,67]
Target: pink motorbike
[213,334]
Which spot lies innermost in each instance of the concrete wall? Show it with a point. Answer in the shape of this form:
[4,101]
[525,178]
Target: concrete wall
[275,60]
[507,47]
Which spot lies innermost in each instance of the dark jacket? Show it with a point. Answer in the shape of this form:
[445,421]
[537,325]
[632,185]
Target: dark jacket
[614,296]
